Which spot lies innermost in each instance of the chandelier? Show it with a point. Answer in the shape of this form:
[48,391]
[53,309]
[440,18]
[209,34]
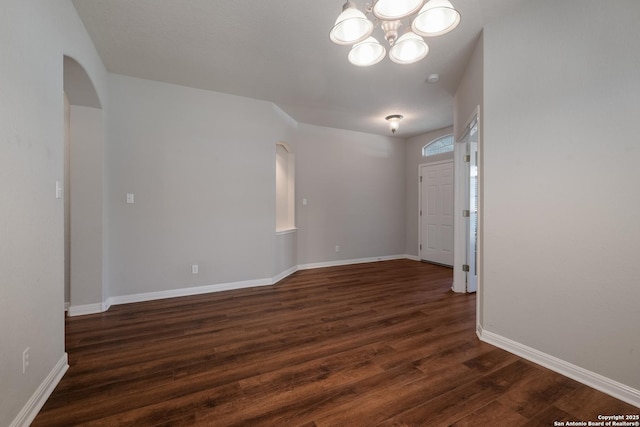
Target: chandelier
[432,18]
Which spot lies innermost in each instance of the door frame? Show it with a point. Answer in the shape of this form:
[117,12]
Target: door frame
[460,230]
[434,163]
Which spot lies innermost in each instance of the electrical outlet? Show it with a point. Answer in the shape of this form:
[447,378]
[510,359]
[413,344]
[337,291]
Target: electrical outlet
[337,248]
[25,360]
[194,269]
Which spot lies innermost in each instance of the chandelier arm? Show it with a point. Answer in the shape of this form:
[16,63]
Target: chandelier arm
[368,11]
[368,7]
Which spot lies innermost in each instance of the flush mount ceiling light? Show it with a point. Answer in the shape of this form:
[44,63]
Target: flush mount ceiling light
[432,18]
[394,122]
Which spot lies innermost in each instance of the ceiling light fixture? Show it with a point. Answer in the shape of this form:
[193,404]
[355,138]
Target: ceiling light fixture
[394,122]
[432,18]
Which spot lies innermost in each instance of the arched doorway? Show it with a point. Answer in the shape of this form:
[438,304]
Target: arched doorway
[83,192]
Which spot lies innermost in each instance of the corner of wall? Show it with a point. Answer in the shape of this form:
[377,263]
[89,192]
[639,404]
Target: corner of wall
[30,410]
[584,376]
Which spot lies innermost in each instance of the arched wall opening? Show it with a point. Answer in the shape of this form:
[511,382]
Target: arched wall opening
[285,253]
[285,188]
[83,192]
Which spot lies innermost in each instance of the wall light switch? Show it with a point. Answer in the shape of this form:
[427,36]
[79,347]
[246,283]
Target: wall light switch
[130,198]
[58,190]
[194,269]
[305,202]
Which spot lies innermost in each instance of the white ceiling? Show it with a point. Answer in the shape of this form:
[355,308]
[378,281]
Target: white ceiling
[279,51]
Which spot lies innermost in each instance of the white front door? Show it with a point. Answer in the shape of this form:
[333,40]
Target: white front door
[436,213]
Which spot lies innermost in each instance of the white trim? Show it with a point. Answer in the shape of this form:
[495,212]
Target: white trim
[183,292]
[81,310]
[286,231]
[350,261]
[197,290]
[467,125]
[460,237]
[459,232]
[29,411]
[284,274]
[584,376]
[480,218]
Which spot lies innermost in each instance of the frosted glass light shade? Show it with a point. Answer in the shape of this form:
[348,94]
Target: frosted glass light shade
[436,17]
[394,122]
[396,9]
[366,53]
[409,48]
[351,26]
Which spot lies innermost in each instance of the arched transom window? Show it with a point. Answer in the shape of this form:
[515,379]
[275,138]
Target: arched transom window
[444,144]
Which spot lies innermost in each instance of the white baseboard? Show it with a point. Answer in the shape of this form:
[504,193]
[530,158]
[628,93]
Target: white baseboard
[197,290]
[606,385]
[36,402]
[81,310]
[183,292]
[351,261]
[284,274]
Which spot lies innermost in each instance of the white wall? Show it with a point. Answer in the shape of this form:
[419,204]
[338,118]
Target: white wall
[201,166]
[35,35]
[561,199]
[67,200]
[354,185]
[469,93]
[413,159]
[285,254]
[86,182]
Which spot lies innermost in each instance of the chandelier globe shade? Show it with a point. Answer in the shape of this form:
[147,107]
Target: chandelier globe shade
[424,18]
[390,10]
[366,53]
[409,48]
[351,27]
[437,17]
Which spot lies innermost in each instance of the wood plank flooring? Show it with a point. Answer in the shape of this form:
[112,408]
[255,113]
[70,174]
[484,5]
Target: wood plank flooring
[379,344]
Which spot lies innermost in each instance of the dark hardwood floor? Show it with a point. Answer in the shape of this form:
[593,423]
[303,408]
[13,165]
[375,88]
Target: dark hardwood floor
[380,344]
